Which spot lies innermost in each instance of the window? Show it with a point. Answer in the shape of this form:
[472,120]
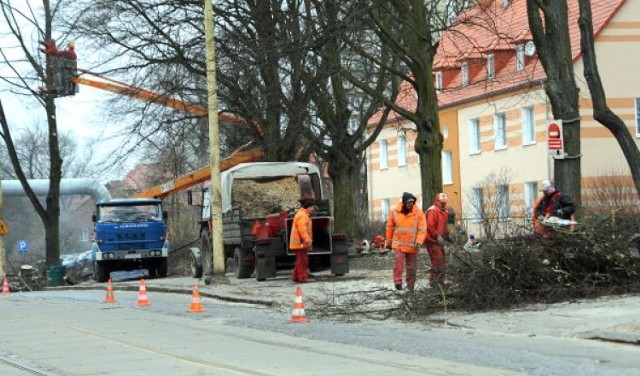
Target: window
[500,131]
[452,14]
[530,195]
[402,150]
[502,203]
[477,204]
[447,169]
[491,66]
[438,79]
[637,117]
[465,73]
[354,123]
[384,155]
[528,126]
[384,209]
[520,57]
[474,136]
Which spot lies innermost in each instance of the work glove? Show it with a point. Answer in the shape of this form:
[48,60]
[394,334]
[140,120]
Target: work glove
[440,240]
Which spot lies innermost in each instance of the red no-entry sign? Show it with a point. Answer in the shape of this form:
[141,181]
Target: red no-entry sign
[555,143]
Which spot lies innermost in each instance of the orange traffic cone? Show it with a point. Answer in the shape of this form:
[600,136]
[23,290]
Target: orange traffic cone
[196,302]
[298,308]
[142,295]
[110,298]
[5,287]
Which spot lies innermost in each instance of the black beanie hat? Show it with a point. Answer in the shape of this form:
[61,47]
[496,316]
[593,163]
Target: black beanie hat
[406,196]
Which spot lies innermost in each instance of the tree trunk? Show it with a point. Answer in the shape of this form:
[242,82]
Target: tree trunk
[51,220]
[601,112]
[429,149]
[551,36]
[344,207]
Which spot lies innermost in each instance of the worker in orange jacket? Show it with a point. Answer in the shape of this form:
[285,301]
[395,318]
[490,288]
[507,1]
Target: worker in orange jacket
[301,239]
[437,231]
[406,229]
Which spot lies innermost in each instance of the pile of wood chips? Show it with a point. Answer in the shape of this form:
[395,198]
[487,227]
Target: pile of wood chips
[257,199]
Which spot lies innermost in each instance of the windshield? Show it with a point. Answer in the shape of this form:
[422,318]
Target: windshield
[130,213]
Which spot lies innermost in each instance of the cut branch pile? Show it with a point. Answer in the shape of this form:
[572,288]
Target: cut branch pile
[260,198]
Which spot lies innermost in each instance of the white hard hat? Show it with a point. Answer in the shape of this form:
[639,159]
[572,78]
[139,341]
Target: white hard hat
[546,184]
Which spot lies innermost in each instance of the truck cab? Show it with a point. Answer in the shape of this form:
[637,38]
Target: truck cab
[130,234]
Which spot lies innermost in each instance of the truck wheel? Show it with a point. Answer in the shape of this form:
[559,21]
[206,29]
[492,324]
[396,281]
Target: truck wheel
[196,269]
[244,263]
[101,272]
[207,267]
[161,268]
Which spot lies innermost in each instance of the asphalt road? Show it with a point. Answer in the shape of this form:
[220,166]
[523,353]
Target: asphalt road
[75,333]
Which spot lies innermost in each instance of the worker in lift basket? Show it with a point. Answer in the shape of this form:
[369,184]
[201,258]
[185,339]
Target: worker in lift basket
[406,229]
[301,239]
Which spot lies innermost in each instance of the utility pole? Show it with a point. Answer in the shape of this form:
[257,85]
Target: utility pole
[215,188]
[2,251]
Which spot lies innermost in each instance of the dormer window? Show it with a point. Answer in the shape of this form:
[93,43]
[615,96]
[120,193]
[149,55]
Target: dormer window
[464,69]
[519,57]
[438,80]
[491,66]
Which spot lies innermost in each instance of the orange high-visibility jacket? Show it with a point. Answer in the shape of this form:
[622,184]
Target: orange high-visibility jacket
[301,231]
[406,231]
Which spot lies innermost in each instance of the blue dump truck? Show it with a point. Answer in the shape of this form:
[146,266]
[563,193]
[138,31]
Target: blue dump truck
[130,234]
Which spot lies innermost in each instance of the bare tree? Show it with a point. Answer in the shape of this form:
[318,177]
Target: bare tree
[601,111]
[490,203]
[548,22]
[29,70]
[342,111]
[411,30]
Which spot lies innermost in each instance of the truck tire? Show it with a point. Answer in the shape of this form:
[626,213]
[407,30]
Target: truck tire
[101,272]
[244,263]
[162,268]
[196,267]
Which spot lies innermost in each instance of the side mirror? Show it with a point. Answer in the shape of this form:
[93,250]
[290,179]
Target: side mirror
[165,215]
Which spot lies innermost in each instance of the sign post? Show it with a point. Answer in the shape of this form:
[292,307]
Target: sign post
[23,246]
[555,143]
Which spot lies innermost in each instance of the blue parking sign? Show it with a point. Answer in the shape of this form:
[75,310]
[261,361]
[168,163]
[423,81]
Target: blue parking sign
[23,246]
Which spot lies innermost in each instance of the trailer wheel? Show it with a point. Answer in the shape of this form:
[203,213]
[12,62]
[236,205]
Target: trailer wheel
[101,272]
[243,262]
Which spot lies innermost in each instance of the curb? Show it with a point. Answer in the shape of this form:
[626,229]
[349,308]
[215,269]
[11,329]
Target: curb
[172,290]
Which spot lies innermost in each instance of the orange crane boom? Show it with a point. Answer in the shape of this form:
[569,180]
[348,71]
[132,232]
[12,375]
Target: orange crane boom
[241,155]
[131,91]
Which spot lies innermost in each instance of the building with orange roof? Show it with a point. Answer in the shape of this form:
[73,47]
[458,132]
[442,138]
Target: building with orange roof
[494,111]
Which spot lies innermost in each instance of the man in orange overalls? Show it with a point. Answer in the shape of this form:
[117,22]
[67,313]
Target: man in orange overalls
[301,239]
[437,231]
[406,229]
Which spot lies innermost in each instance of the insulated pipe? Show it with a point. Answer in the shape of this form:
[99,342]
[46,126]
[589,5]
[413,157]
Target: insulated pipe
[76,186]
